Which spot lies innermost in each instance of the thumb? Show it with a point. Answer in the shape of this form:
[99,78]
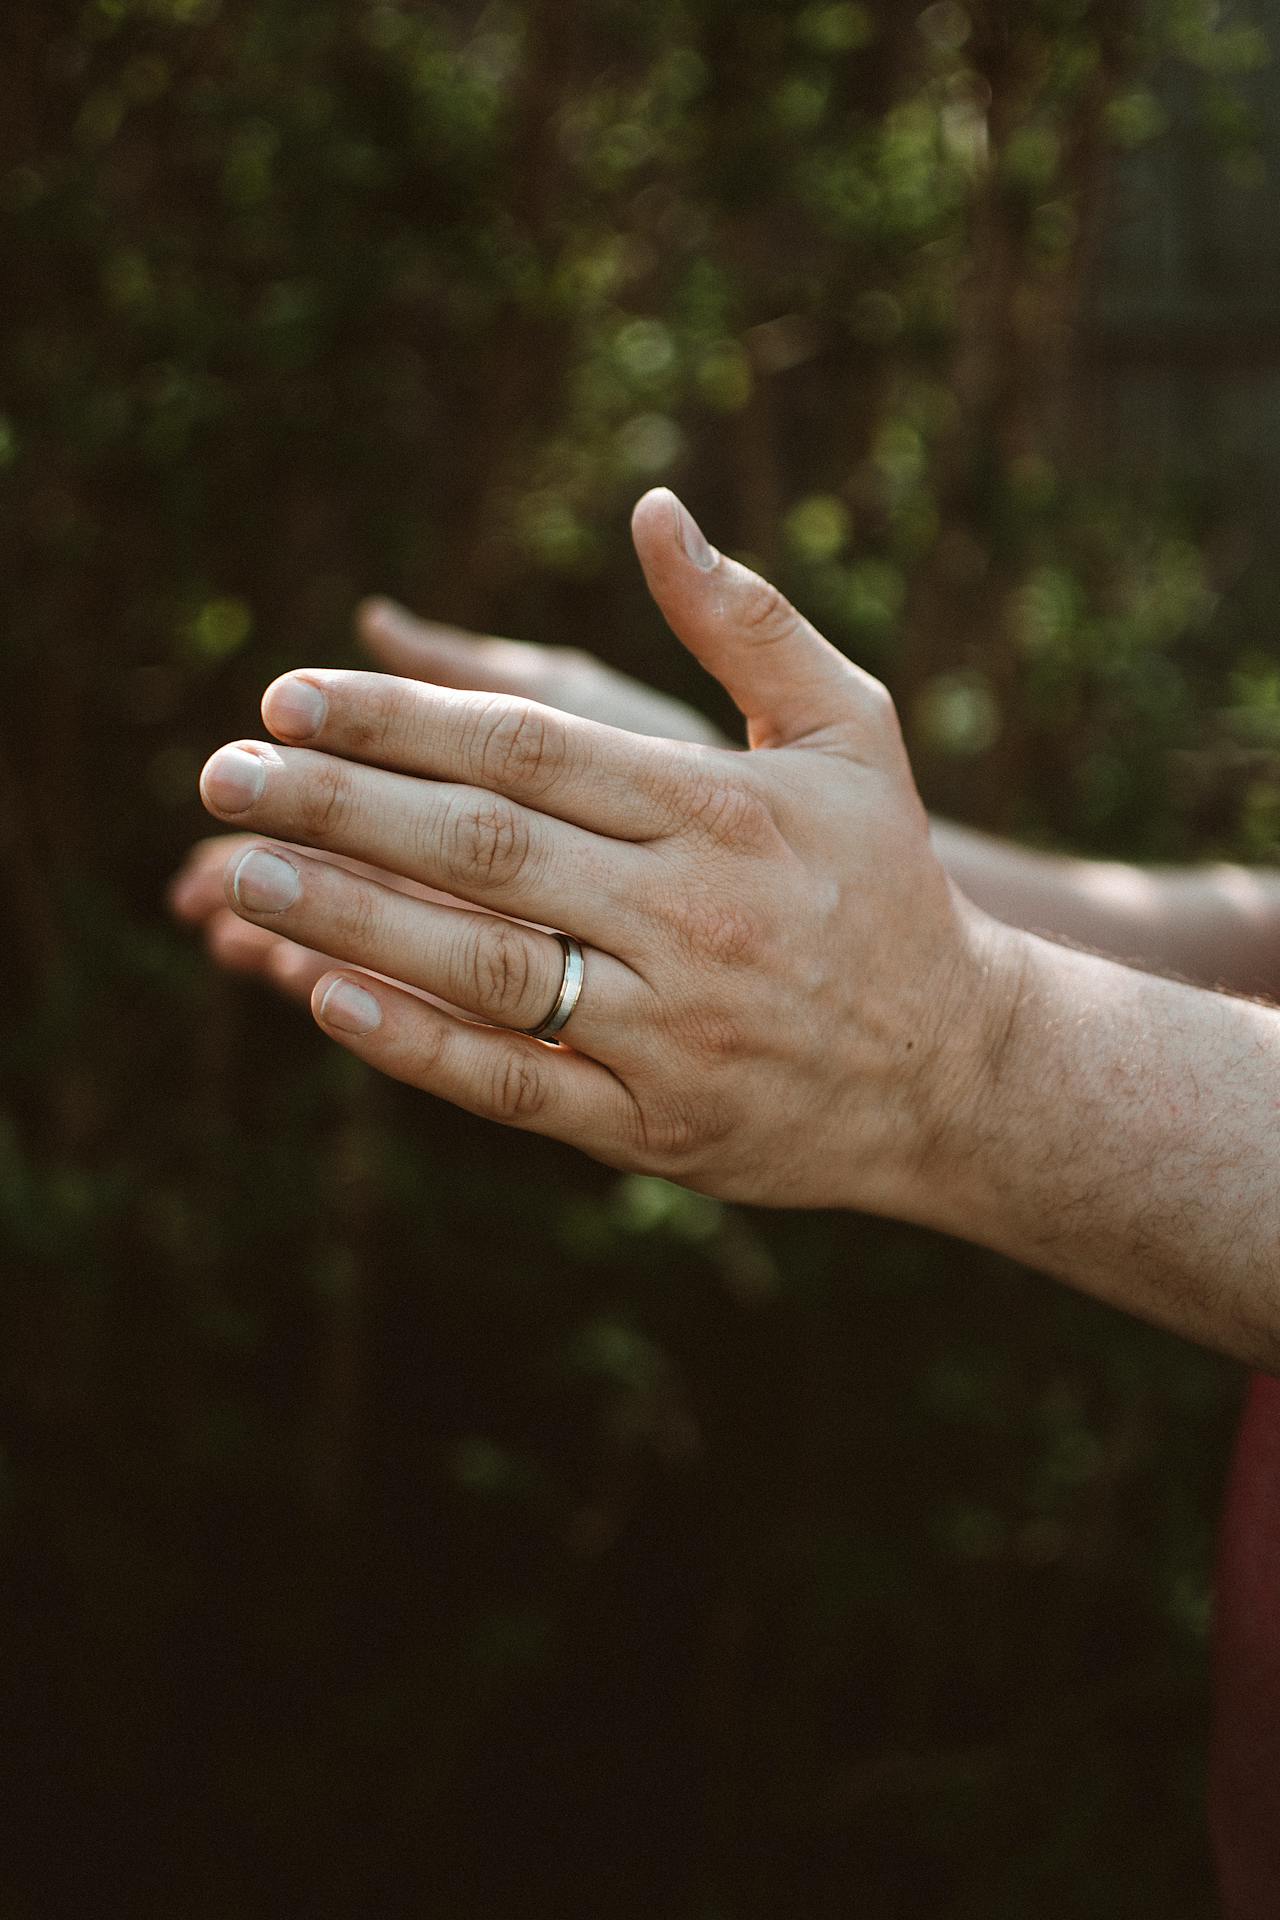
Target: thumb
[791,685]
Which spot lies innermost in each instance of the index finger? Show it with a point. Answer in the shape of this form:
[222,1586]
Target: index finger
[619,784]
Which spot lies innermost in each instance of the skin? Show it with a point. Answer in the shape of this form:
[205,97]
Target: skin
[1216,926]
[776,956]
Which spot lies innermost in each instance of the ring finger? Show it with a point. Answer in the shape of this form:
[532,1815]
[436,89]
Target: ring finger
[494,969]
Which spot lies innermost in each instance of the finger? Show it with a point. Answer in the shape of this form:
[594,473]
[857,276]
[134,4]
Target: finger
[491,968]
[500,1076]
[599,777]
[425,650]
[254,953]
[791,684]
[561,677]
[186,897]
[195,891]
[198,888]
[198,895]
[235,946]
[295,970]
[576,682]
[476,845]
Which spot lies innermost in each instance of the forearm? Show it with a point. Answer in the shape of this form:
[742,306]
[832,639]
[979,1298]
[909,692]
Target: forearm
[1219,926]
[1128,1141]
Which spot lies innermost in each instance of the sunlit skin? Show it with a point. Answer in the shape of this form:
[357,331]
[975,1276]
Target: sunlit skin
[787,999]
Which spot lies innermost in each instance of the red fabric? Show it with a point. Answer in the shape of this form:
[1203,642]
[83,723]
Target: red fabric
[1245,1761]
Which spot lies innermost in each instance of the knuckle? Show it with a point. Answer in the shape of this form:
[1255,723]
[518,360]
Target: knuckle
[356,913]
[765,613]
[674,785]
[490,841]
[685,1127]
[719,930]
[374,716]
[501,970]
[386,722]
[430,1046]
[519,1087]
[326,800]
[711,1034]
[677,1131]
[520,749]
[728,812]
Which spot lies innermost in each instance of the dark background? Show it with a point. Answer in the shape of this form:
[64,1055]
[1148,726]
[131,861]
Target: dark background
[398,1516]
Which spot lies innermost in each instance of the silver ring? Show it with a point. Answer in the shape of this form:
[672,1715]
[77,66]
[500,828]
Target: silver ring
[575,968]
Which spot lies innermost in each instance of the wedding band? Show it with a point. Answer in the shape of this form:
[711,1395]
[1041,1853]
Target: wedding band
[575,968]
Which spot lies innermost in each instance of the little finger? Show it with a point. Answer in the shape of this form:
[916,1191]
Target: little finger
[500,1076]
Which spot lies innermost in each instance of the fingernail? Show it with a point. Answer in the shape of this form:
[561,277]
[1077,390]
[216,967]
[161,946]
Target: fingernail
[264,883]
[349,1008]
[697,547]
[295,708]
[233,780]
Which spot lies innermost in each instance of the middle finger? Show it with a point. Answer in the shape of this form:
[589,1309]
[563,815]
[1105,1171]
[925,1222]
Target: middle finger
[477,845]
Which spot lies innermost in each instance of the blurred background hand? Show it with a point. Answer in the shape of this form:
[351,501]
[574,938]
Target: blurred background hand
[564,677]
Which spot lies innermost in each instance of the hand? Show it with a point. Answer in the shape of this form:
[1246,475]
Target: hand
[785,1000]
[561,677]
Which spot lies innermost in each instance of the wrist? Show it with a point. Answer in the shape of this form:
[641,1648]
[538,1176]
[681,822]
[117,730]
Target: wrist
[967,1095]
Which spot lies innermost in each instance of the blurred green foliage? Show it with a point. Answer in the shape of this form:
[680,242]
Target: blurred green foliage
[399,1517]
